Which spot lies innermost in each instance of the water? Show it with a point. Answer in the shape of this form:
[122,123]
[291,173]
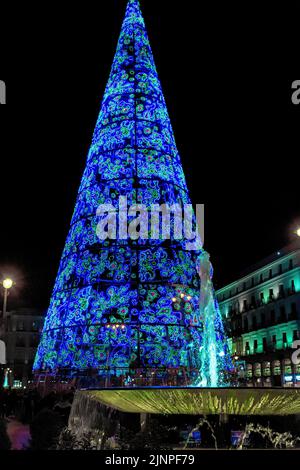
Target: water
[278,440]
[202,422]
[215,360]
[274,439]
[90,417]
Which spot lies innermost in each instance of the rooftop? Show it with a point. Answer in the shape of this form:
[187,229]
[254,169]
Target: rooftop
[276,256]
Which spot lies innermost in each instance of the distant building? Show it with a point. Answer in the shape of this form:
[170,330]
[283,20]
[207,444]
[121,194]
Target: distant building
[262,310]
[22,333]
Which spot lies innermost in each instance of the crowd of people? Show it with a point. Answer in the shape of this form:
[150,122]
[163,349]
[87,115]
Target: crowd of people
[24,405]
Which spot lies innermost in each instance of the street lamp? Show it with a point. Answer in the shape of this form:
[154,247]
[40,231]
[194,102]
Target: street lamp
[7,284]
[298,232]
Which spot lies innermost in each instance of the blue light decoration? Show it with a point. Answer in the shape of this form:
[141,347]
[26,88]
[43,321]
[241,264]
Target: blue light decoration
[126,311]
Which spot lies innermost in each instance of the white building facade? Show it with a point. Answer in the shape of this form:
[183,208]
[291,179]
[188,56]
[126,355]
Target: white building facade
[262,314]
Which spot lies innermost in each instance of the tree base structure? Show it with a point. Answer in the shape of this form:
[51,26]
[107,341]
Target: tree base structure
[200,401]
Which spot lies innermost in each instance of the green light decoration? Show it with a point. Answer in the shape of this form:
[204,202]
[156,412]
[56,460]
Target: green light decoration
[215,358]
[201,401]
[6,382]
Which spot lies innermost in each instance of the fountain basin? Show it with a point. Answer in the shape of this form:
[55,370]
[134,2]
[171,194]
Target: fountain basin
[200,401]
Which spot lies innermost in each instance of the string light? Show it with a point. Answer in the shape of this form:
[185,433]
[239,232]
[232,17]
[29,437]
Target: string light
[133,147]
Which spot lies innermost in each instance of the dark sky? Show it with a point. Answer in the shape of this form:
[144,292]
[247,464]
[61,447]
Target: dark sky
[226,73]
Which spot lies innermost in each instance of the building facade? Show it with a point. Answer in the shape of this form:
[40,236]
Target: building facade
[262,312]
[23,328]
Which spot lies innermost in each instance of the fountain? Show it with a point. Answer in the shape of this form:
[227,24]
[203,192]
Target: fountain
[134,325]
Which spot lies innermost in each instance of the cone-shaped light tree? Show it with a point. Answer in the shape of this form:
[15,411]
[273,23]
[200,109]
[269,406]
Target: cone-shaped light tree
[127,309]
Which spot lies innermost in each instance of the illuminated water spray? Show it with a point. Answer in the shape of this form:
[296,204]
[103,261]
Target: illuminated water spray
[6,381]
[215,358]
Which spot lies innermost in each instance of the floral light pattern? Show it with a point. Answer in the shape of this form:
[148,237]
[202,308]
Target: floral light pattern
[104,284]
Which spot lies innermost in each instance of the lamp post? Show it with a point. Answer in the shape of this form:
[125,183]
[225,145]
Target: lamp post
[7,284]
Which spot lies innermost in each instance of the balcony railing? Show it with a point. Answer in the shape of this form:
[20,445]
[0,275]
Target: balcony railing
[284,293]
[238,331]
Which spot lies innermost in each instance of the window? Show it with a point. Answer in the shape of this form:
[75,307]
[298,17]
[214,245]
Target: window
[295,335]
[249,371]
[246,326]
[287,366]
[20,325]
[293,287]
[293,314]
[284,340]
[276,368]
[20,342]
[252,282]
[291,264]
[267,369]
[271,294]
[247,348]
[281,290]
[245,306]
[265,344]
[282,313]
[274,340]
[244,286]
[255,345]
[254,322]
[34,341]
[257,369]
[270,274]
[273,316]
[280,269]
[261,279]
[263,319]
[253,302]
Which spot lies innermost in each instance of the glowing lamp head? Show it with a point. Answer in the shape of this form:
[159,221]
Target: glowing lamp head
[7,283]
[298,232]
[182,295]
[174,299]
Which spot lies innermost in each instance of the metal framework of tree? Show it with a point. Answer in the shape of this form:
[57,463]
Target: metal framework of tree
[126,307]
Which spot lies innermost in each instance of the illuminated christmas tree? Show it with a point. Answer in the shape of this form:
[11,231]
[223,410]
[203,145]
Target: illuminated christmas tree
[123,309]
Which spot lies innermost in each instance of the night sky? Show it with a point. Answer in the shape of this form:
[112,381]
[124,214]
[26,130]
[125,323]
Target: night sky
[226,73]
